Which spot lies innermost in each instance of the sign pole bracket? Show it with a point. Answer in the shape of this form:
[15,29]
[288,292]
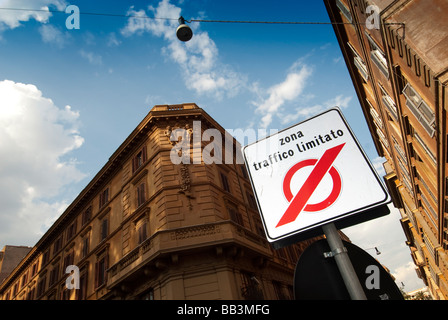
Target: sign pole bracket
[339,252]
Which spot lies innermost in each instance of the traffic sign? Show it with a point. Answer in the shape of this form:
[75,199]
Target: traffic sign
[311,174]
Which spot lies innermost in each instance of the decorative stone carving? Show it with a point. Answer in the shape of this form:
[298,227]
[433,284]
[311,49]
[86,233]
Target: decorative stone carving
[196,231]
[180,138]
[185,179]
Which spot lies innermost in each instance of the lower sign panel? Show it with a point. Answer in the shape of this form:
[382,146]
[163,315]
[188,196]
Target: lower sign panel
[318,278]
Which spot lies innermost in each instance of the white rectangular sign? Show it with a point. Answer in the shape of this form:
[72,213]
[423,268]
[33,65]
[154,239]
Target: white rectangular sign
[310,174]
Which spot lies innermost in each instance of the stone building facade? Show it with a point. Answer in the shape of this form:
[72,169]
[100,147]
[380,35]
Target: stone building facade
[163,219]
[396,54]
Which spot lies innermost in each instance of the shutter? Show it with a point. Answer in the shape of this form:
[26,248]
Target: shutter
[97,275]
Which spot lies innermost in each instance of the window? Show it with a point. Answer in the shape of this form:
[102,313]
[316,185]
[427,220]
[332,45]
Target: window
[82,292]
[45,258]
[34,270]
[377,55]
[104,197]
[278,288]
[244,171]
[235,216]
[427,74]
[141,196]
[250,287]
[57,245]
[359,63]
[388,102]
[68,260]
[401,79]
[401,153]
[30,294]
[409,130]
[87,215]
[52,295]
[100,270]
[71,231]
[54,275]
[142,230]
[139,159]
[24,279]
[225,182]
[344,10]
[375,116]
[41,286]
[420,109]
[85,246]
[251,200]
[15,288]
[258,226]
[147,295]
[64,292]
[425,148]
[382,138]
[104,229]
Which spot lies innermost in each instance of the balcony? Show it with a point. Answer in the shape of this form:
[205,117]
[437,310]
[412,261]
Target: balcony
[168,244]
[130,258]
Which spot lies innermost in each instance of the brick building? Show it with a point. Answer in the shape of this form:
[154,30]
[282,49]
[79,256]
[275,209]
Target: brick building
[10,256]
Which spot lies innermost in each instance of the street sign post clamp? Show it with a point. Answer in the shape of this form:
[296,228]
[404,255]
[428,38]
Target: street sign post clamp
[335,252]
[343,262]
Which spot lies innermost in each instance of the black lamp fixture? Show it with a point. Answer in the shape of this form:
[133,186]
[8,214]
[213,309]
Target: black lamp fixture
[378,252]
[183,32]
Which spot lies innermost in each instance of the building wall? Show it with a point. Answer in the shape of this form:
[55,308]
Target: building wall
[10,256]
[147,228]
[399,72]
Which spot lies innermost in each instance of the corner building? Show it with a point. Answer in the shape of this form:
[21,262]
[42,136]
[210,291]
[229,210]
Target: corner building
[147,228]
[399,69]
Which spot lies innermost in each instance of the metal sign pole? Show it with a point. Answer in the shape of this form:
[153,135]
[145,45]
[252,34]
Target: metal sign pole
[339,252]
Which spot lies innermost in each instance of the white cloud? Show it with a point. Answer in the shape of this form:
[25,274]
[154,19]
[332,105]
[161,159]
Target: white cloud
[93,58]
[11,19]
[198,58]
[112,40]
[36,138]
[305,112]
[52,35]
[288,90]
[406,274]
[378,165]
[387,235]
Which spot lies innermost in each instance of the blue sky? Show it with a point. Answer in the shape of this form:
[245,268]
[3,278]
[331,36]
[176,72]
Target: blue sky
[69,97]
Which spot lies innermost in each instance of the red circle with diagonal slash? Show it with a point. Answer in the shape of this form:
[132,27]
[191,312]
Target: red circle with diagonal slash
[337,185]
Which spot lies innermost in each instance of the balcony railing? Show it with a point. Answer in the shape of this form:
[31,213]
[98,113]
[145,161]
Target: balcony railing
[130,257]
